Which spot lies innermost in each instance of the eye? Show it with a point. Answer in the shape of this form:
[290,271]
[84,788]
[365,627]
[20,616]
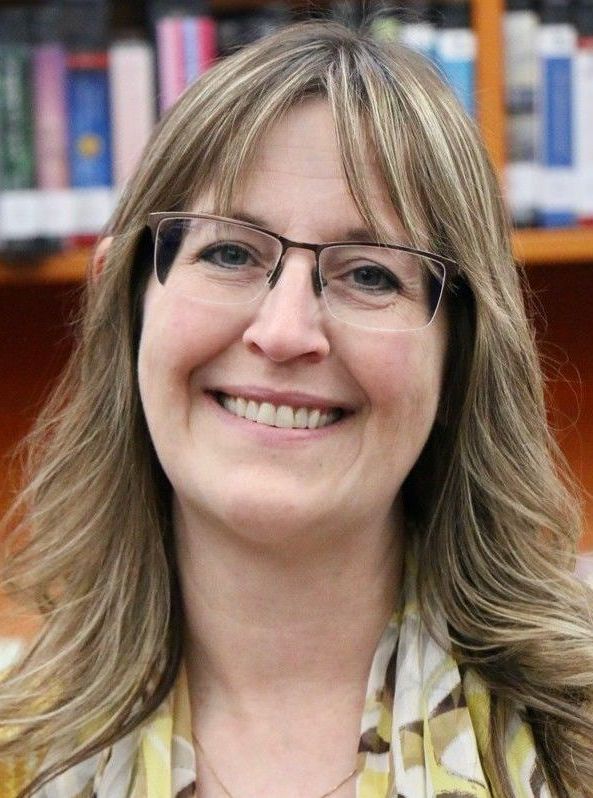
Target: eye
[227,256]
[373,278]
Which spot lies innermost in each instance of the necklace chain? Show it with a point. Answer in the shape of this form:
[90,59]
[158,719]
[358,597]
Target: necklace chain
[229,794]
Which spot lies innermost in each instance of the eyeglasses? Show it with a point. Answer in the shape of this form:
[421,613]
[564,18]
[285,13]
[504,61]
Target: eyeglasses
[221,261]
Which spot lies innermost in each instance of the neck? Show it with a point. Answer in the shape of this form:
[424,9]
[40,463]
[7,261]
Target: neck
[264,624]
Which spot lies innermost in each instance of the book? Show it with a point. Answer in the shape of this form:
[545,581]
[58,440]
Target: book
[50,123]
[520,31]
[170,58]
[455,51]
[583,110]
[132,97]
[199,46]
[89,123]
[185,35]
[557,44]
[19,213]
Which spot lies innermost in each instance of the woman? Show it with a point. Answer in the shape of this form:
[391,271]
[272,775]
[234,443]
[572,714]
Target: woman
[298,472]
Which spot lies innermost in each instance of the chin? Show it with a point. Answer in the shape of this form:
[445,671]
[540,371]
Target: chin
[271,517]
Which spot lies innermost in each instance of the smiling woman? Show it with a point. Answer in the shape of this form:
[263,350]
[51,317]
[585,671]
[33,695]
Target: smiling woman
[294,517]
[209,339]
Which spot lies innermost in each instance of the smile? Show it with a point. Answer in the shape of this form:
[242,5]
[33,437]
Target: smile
[284,416]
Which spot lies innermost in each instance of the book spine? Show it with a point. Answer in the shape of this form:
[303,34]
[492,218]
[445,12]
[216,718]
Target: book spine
[199,46]
[89,123]
[191,50]
[133,113]
[206,32]
[521,173]
[51,141]
[557,47]
[18,202]
[51,124]
[16,117]
[456,58]
[89,141]
[583,106]
[171,61]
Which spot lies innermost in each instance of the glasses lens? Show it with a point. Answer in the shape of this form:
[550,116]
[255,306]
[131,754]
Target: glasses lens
[213,261]
[381,288]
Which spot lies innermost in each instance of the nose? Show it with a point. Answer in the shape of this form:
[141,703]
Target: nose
[289,321]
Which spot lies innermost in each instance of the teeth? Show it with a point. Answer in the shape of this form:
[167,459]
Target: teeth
[251,410]
[232,405]
[284,416]
[301,418]
[266,414]
[314,419]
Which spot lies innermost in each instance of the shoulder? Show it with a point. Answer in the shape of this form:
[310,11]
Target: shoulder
[18,772]
[15,774]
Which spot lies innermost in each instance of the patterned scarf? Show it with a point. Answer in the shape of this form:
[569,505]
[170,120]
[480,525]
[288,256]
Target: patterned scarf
[424,733]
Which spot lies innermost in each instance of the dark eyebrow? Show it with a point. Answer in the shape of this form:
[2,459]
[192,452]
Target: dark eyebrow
[352,234]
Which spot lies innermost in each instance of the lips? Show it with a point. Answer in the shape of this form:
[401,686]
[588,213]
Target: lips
[282,415]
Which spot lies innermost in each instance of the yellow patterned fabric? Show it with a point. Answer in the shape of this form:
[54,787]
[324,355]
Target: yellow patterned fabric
[424,734]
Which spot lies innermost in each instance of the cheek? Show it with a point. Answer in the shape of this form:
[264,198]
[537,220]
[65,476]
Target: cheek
[177,337]
[402,379]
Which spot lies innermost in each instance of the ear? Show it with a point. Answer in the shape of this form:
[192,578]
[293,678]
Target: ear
[99,258]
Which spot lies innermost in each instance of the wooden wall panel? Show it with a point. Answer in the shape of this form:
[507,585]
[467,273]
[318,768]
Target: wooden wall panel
[565,335]
[35,340]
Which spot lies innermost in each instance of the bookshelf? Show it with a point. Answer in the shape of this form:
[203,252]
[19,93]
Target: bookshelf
[554,247]
[63,267]
[559,267]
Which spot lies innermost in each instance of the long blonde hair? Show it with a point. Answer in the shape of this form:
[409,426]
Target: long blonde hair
[497,527]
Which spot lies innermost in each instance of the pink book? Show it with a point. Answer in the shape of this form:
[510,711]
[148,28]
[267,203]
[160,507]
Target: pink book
[170,56]
[206,33]
[132,96]
[49,99]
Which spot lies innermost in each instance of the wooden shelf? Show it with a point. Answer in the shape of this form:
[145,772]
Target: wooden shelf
[537,247]
[533,247]
[63,267]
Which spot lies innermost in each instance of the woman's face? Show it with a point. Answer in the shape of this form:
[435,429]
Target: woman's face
[262,481]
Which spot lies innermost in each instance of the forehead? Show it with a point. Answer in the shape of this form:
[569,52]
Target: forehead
[305,137]
[296,180]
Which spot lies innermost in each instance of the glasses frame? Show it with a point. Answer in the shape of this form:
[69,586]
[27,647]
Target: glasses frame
[154,221]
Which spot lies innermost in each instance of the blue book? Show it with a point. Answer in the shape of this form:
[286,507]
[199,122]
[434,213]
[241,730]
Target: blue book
[87,93]
[191,55]
[89,134]
[557,49]
[455,53]
[89,117]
